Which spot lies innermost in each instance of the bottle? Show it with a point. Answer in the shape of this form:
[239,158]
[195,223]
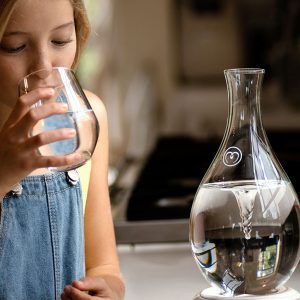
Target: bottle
[244,222]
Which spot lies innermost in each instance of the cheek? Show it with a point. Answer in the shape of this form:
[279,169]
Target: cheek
[10,76]
[66,59]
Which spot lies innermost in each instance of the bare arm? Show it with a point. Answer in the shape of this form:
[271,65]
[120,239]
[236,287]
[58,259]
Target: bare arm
[100,246]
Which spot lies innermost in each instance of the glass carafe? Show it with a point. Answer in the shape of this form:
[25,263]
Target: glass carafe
[244,223]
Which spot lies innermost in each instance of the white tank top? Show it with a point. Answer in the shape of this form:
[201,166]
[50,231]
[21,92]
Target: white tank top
[84,173]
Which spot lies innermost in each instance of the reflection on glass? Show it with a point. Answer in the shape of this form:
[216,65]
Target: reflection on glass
[206,256]
[267,261]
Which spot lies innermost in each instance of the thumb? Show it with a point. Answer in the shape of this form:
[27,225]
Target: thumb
[92,284]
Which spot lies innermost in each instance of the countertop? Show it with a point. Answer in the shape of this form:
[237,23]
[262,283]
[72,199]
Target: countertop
[166,272]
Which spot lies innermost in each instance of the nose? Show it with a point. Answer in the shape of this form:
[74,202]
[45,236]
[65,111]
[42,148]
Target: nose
[41,60]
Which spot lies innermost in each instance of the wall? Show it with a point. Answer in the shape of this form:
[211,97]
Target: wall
[142,36]
[145,38]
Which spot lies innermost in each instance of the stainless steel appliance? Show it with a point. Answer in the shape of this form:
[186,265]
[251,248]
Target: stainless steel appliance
[152,198]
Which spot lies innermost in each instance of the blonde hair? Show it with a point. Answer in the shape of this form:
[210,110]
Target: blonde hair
[82,25]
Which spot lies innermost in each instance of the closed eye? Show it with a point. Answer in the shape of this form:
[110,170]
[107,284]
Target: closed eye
[12,49]
[61,43]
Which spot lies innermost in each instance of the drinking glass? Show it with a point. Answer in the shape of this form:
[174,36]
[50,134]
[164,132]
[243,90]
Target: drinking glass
[79,115]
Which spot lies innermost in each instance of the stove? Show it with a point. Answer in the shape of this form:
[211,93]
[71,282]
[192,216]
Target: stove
[156,207]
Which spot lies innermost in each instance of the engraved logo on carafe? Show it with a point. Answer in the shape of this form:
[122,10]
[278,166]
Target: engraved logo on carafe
[232,156]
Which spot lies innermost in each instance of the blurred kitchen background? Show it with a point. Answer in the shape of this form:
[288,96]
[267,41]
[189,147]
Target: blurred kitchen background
[158,66]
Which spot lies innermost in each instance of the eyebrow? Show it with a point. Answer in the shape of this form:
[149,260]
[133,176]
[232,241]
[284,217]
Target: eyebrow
[69,24]
[13,33]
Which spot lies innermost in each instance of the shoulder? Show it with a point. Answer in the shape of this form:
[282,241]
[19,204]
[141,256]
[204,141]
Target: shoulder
[101,151]
[97,105]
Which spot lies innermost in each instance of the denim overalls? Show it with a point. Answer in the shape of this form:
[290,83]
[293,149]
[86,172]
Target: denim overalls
[41,238]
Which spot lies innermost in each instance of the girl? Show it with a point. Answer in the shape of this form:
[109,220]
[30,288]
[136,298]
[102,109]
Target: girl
[41,229]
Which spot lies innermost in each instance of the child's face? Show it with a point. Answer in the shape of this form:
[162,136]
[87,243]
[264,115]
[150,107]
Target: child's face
[40,34]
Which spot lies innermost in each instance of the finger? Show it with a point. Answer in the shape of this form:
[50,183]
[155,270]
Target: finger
[49,137]
[59,161]
[25,102]
[34,115]
[92,284]
[75,294]
[37,161]
[30,146]
[63,296]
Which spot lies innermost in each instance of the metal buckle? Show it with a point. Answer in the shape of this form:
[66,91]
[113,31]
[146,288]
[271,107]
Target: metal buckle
[72,177]
[17,190]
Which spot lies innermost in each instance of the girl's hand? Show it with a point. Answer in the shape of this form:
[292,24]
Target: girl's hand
[95,286]
[19,151]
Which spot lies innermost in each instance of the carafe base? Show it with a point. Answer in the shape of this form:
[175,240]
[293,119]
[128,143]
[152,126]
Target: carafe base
[282,294]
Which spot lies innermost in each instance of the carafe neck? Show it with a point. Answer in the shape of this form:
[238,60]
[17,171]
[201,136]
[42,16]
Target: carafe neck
[244,87]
